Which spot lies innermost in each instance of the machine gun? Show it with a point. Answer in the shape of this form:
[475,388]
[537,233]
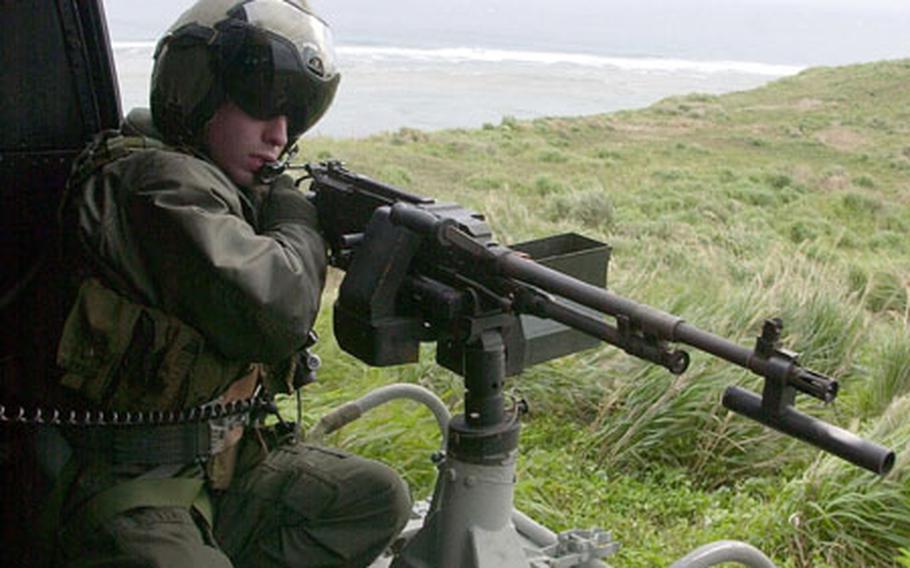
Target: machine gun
[420,271]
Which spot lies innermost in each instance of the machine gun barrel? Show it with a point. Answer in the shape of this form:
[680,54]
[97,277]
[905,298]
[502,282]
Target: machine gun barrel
[828,437]
[665,326]
[651,320]
[657,352]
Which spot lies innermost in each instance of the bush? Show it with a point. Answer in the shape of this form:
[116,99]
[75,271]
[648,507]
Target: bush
[592,208]
[778,181]
[545,185]
[860,204]
[886,291]
[395,175]
[864,181]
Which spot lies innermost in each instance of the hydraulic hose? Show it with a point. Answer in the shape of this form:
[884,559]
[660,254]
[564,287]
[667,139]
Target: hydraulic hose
[532,530]
[351,411]
[347,413]
[724,551]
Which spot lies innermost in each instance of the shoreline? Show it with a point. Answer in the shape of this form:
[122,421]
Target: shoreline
[386,88]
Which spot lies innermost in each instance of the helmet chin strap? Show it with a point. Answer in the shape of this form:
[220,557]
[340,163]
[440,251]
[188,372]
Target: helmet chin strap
[271,170]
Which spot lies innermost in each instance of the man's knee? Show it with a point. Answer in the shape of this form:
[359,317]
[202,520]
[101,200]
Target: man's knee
[392,498]
[325,505]
[363,488]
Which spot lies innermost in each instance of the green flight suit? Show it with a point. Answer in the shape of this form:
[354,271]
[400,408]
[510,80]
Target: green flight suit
[185,248]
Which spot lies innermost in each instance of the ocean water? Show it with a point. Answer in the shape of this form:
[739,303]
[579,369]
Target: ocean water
[462,63]
[387,88]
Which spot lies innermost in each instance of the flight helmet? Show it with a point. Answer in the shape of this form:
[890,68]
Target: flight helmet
[269,57]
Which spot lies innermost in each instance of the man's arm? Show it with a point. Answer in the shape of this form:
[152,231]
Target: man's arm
[253,296]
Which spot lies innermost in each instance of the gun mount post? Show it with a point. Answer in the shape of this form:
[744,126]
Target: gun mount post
[470,516]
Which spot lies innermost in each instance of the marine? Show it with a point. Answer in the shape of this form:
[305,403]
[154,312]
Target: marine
[202,272]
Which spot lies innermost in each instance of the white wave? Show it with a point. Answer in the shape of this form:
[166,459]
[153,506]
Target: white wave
[481,55]
[362,53]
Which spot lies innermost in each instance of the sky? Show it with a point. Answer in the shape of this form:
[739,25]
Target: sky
[799,32]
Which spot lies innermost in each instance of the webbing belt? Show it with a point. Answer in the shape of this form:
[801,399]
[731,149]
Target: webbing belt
[157,443]
[156,438]
[153,444]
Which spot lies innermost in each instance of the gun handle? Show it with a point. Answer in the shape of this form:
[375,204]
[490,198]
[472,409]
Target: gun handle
[418,220]
[829,438]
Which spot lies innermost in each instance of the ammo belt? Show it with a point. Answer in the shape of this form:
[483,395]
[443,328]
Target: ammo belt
[150,437]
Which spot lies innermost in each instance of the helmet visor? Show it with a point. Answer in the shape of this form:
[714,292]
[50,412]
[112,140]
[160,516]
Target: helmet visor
[267,74]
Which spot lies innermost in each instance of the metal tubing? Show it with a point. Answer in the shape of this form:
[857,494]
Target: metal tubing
[576,319]
[526,270]
[724,551]
[830,438]
[351,411]
[532,530]
[664,325]
[674,361]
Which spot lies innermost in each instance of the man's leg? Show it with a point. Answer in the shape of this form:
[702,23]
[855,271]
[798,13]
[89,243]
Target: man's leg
[159,537]
[310,506]
[140,535]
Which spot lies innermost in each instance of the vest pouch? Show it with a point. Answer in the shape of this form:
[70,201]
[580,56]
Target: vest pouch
[121,355]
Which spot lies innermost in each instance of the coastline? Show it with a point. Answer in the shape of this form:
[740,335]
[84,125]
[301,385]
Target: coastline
[387,88]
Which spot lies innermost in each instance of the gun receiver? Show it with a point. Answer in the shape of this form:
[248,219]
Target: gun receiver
[419,271]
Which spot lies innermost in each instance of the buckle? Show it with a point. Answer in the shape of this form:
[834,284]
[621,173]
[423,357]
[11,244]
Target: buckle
[219,428]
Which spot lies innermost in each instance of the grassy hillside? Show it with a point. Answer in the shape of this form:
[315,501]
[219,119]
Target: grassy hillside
[789,200]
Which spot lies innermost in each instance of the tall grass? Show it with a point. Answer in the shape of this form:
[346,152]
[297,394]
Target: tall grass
[792,200]
[846,517]
[891,354]
[651,417]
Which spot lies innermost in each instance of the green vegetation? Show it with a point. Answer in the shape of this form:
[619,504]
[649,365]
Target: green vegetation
[789,200]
